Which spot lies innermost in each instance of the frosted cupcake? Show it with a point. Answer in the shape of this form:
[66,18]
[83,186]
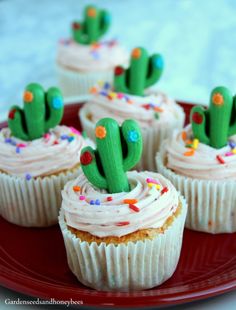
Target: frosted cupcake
[84,60]
[37,158]
[122,231]
[201,162]
[156,114]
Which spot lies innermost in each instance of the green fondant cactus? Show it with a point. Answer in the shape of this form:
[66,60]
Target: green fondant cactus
[118,150]
[41,112]
[143,72]
[96,23]
[216,124]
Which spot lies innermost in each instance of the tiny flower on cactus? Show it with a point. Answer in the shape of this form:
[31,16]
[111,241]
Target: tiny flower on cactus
[76,26]
[11,114]
[119,70]
[133,136]
[86,158]
[136,53]
[100,132]
[92,12]
[158,63]
[217,99]
[57,103]
[28,96]
[197,118]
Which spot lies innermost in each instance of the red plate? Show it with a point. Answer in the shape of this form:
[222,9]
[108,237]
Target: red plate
[33,262]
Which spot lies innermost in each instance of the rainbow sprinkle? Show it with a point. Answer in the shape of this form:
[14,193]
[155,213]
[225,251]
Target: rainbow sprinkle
[123,223]
[95,202]
[28,177]
[134,208]
[220,159]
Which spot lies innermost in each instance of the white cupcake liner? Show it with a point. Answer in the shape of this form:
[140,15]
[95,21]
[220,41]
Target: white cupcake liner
[211,204]
[33,203]
[152,139]
[74,83]
[125,267]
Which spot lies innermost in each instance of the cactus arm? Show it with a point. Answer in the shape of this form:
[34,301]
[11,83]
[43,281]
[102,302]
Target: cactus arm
[198,121]
[78,33]
[155,70]
[232,127]
[105,22]
[220,110]
[54,108]
[89,164]
[138,71]
[120,80]
[34,109]
[133,138]
[15,123]
[109,147]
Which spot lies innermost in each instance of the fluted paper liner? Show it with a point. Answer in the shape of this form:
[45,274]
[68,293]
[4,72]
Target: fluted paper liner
[74,83]
[211,203]
[125,267]
[32,203]
[152,139]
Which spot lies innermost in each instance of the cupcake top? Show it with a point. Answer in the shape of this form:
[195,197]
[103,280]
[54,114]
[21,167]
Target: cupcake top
[58,150]
[151,200]
[85,52]
[130,98]
[115,202]
[153,109]
[206,149]
[34,145]
[89,58]
[189,157]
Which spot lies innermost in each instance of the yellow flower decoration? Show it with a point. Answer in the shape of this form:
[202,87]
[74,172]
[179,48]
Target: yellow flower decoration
[217,99]
[100,132]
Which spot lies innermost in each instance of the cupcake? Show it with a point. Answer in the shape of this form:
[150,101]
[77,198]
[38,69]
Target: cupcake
[156,114]
[201,162]
[84,60]
[122,230]
[37,158]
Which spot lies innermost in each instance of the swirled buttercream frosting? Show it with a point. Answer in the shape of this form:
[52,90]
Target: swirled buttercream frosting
[189,157]
[153,109]
[96,57]
[150,202]
[57,150]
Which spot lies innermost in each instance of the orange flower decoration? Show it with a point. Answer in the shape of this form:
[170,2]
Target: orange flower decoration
[91,12]
[136,53]
[100,132]
[28,96]
[217,99]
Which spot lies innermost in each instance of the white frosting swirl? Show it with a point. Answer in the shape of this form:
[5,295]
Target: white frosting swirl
[203,164]
[97,57]
[154,109]
[104,220]
[57,151]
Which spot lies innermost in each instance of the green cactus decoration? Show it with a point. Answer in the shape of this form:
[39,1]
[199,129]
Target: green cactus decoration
[41,112]
[216,124]
[118,150]
[143,72]
[96,24]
